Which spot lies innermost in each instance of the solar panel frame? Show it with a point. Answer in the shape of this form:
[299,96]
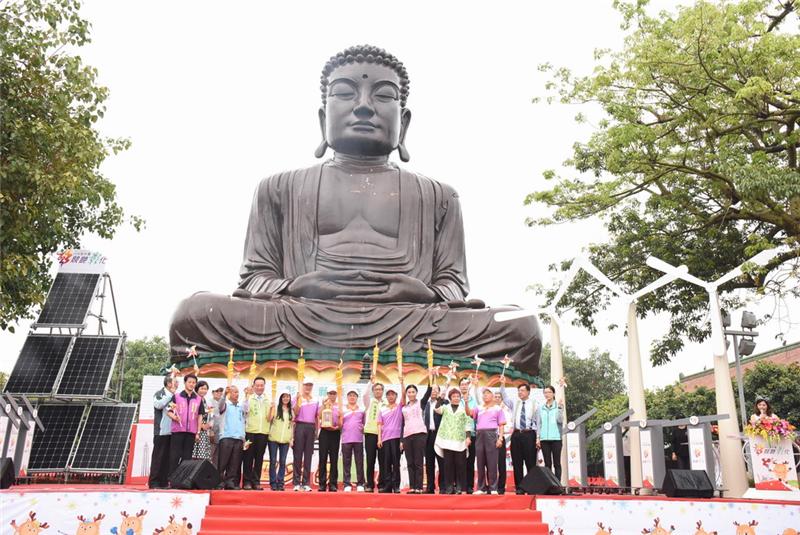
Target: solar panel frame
[72,382]
[57,441]
[104,441]
[36,369]
[69,300]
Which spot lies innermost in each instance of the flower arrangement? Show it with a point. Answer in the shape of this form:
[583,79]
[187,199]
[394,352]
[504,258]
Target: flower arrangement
[770,428]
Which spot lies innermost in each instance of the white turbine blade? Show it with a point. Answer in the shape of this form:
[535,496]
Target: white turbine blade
[569,276]
[600,276]
[661,281]
[764,257]
[732,274]
[508,315]
[660,265]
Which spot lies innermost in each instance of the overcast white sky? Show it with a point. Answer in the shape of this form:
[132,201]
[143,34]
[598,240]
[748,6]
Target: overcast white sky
[214,97]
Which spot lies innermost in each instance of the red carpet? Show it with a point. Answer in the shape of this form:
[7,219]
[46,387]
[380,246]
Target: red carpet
[266,512]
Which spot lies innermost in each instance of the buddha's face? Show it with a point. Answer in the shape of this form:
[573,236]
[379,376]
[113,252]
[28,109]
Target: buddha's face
[363,116]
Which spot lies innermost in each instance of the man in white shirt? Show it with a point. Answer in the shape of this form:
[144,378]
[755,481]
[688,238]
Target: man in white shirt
[523,438]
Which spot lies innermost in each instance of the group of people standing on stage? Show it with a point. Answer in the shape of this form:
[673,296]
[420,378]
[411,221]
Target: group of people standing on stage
[459,430]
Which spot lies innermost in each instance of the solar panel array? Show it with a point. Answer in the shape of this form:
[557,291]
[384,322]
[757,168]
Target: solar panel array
[51,448]
[89,368]
[37,367]
[105,438]
[69,299]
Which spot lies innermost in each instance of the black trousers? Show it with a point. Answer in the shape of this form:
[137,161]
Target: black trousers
[371,447]
[303,450]
[253,458]
[159,462]
[469,467]
[454,470]
[329,452]
[414,448]
[180,449]
[551,451]
[391,464]
[501,468]
[350,450]
[431,461]
[523,452]
[229,461]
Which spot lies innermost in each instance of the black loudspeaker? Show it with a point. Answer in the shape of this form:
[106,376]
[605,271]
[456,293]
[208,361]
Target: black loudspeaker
[541,481]
[7,472]
[687,484]
[194,474]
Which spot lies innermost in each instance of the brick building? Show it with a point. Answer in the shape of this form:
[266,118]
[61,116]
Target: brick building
[785,355]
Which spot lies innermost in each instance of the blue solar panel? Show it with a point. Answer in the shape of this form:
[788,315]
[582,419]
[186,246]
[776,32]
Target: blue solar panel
[38,364]
[69,299]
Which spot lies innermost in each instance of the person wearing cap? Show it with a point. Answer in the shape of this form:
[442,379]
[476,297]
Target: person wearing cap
[280,439]
[373,408]
[489,423]
[329,438]
[305,426]
[352,441]
[257,408]
[390,429]
[502,469]
[452,441]
[213,433]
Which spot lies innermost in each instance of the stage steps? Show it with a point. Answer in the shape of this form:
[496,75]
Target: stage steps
[266,512]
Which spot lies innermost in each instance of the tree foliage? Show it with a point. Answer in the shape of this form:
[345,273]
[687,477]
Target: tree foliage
[779,384]
[589,380]
[145,356]
[694,160]
[50,149]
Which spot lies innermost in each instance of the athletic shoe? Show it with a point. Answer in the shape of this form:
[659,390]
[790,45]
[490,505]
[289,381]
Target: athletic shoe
[359,489]
[478,493]
[297,488]
[494,492]
[348,488]
[306,488]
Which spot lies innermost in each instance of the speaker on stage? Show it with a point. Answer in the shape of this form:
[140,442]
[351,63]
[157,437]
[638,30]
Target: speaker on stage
[541,481]
[194,474]
[687,484]
[7,472]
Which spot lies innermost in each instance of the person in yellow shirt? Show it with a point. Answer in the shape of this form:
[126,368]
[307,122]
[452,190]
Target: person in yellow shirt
[257,408]
[280,439]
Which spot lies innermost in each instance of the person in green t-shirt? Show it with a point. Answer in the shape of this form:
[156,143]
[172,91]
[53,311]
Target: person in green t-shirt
[280,439]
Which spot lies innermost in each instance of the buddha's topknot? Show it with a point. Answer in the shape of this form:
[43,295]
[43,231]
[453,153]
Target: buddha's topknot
[368,54]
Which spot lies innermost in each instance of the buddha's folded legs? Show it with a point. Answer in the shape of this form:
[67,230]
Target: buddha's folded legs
[215,322]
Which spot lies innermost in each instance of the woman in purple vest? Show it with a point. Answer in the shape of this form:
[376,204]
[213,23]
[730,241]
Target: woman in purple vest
[186,413]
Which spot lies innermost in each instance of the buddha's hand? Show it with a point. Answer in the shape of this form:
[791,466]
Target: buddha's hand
[400,289]
[344,284]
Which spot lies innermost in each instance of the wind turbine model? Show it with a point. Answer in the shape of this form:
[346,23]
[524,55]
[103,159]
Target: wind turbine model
[734,475]
[635,380]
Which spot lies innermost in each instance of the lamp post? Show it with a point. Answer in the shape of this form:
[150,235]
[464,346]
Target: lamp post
[734,475]
[741,347]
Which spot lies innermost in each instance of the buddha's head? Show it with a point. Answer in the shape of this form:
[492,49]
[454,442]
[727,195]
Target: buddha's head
[363,113]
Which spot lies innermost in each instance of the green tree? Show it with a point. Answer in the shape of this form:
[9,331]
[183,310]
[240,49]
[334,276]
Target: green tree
[694,160]
[779,384]
[52,189]
[145,356]
[589,380]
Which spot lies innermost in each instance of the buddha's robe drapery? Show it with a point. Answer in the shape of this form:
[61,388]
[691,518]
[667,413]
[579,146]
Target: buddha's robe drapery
[283,243]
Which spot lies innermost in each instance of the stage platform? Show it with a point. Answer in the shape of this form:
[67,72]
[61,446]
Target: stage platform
[117,508]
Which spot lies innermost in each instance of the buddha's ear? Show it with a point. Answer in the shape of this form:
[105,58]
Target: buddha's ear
[405,120]
[323,146]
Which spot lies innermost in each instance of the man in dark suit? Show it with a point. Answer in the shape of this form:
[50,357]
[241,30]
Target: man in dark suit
[432,421]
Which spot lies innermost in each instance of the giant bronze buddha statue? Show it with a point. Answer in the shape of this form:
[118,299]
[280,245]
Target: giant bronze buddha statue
[356,248]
